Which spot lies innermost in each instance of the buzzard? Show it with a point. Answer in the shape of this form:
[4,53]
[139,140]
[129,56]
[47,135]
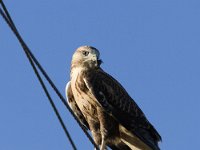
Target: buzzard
[105,108]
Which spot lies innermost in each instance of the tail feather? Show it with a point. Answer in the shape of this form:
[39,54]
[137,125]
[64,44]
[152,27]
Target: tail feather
[134,142]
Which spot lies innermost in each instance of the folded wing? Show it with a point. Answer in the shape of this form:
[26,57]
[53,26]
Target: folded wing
[116,101]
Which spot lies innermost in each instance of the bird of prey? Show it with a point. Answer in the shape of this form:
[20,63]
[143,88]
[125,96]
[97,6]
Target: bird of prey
[105,108]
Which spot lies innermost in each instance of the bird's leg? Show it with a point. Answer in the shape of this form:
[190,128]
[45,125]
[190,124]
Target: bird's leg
[95,130]
[103,144]
[103,127]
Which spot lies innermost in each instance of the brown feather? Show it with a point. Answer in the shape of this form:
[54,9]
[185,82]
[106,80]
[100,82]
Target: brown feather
[105,107]
[116,101]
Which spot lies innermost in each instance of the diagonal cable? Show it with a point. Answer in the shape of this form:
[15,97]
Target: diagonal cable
[9,21]
[49,97]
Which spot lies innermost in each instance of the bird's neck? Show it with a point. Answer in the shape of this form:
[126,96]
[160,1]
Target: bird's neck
[76,71]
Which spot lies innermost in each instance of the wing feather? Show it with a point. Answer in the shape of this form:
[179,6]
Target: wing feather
[117,102]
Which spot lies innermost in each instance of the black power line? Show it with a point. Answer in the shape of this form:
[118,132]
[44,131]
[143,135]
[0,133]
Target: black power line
[47,93]
[33,60]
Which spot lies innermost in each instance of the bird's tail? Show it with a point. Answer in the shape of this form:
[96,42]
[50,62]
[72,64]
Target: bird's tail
[132,141]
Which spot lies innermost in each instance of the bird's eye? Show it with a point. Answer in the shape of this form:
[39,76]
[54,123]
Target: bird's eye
[85,53]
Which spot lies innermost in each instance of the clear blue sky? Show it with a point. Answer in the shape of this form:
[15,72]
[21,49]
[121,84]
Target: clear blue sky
[151,47]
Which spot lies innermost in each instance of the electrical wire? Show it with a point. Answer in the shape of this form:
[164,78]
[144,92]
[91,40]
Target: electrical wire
[33,60]
[49,98]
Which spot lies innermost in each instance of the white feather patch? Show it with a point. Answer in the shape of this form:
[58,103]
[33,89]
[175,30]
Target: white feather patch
[66,88]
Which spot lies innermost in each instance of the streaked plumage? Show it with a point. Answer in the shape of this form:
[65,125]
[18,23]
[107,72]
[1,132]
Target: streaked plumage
[104,106]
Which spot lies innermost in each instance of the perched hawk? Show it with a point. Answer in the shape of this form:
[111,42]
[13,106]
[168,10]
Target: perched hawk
[105,108]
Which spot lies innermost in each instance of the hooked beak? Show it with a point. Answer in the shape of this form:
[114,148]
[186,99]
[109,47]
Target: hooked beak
[99,62]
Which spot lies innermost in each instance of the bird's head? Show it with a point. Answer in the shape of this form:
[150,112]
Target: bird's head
[87,57]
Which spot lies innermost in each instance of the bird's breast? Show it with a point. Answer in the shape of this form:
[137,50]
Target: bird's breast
[83,97]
